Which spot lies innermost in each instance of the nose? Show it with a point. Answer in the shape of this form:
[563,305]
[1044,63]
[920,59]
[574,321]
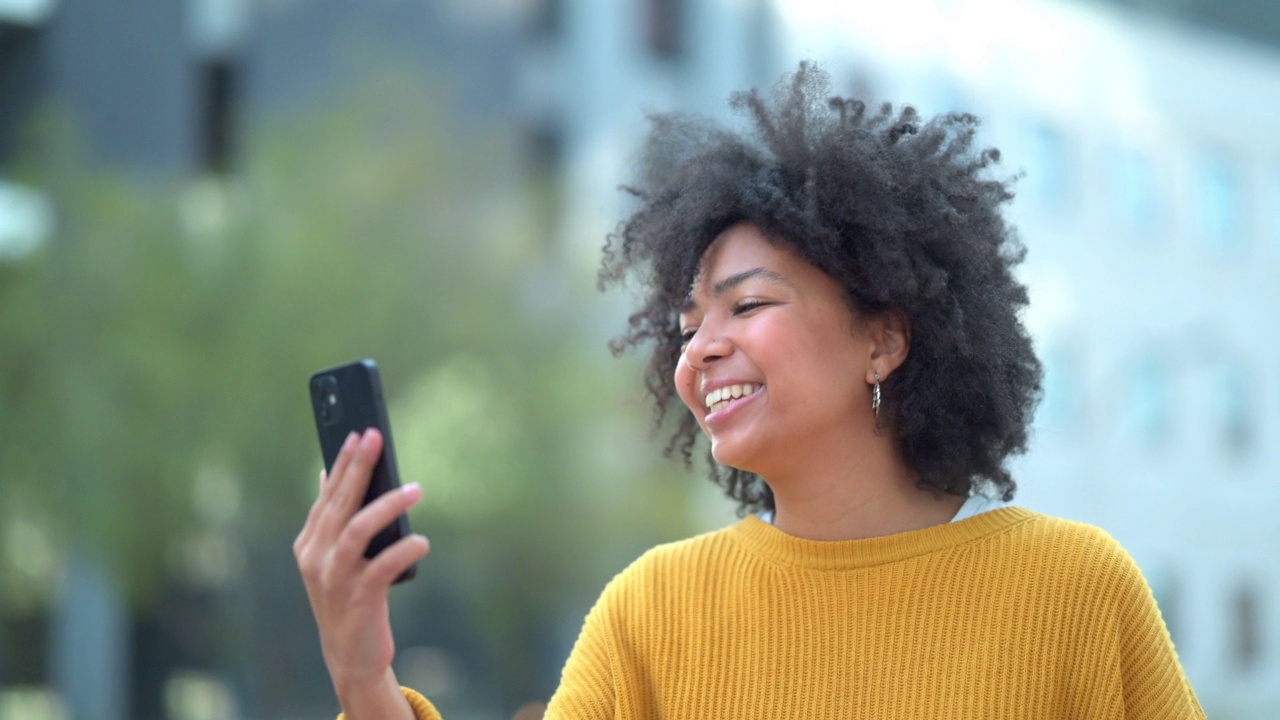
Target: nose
[706,347]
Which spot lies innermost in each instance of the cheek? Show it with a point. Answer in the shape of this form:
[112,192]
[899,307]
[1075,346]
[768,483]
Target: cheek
[810,362]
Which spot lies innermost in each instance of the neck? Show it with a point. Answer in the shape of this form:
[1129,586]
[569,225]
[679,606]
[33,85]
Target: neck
[856,493]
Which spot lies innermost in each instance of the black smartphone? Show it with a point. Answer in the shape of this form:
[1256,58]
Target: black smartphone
[349,399]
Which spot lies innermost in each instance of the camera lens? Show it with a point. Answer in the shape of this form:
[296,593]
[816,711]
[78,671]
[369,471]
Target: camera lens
[324,397]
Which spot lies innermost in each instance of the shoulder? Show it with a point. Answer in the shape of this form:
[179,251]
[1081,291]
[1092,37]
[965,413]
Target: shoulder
[1071,540]
[1062,535]
[672,567]
[684,555]
[1075,556]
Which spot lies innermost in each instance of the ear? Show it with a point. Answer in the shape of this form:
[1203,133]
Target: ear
[890,336]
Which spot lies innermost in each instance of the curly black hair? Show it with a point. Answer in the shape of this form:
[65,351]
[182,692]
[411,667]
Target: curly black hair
[902,211]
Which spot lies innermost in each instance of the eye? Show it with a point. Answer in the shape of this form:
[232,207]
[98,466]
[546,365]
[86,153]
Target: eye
[686,336]
[745,306]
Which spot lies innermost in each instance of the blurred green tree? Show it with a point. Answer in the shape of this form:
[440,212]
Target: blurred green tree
[168,328]
[153,411]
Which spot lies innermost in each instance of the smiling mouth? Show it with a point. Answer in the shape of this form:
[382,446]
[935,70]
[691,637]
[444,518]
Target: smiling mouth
[720,399]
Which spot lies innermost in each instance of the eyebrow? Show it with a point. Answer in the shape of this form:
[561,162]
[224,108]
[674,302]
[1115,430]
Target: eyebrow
[736,279]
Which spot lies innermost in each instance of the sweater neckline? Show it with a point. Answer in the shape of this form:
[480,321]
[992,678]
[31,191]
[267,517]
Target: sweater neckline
[764,539]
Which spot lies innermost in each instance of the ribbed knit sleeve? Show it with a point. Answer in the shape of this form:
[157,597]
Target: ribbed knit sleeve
[422,707]
[1153,683]
[586,689]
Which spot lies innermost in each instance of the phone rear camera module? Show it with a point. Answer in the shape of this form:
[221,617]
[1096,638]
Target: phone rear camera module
[324,396]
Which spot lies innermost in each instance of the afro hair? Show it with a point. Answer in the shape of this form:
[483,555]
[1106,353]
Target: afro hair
[904,212]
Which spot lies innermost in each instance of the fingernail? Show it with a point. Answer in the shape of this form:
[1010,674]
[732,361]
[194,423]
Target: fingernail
[411,488]
[351,437]
[366,440]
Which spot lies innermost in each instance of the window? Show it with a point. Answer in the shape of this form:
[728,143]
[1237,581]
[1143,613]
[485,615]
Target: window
[1230,407]
[1273,203]
[1221,204]
[1247,631]
[548,18]
[762,39]
[218,85]
[26,213]
[1147,400]
[217,30]
[663,27]
[544,146]
[21,68]
[1133,192]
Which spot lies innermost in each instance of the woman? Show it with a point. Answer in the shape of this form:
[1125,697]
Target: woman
[831,297]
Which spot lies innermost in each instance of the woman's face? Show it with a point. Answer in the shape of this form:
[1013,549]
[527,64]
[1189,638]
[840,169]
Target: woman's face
[775,363]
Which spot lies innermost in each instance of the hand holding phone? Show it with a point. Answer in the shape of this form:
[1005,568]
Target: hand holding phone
[348,399]
[347,569]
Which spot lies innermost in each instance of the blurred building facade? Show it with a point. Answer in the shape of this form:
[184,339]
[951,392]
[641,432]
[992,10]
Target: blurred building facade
[147,90]
[1151,211]
[170,94]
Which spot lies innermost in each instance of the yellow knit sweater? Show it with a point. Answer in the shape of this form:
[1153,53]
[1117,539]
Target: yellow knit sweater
[1008,614]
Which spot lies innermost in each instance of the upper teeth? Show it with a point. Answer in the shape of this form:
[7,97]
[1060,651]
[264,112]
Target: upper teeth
[730,392]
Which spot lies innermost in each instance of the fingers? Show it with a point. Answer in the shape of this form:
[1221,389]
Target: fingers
[345,485]
[372,519]
[396,558]
[338,531]
[326,490]
[352,480]
[340,464]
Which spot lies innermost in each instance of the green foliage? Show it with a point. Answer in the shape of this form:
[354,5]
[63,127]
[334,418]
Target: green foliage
[153,408]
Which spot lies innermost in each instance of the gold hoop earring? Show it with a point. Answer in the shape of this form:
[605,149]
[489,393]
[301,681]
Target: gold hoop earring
[875,397]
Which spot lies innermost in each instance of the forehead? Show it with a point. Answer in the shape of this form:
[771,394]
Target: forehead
[743,247]
[736,249]
[743,256]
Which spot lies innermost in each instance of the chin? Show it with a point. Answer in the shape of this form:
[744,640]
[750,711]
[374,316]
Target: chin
[729,455]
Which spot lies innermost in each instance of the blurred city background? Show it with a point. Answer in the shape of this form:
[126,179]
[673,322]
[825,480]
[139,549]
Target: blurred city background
[204,201]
